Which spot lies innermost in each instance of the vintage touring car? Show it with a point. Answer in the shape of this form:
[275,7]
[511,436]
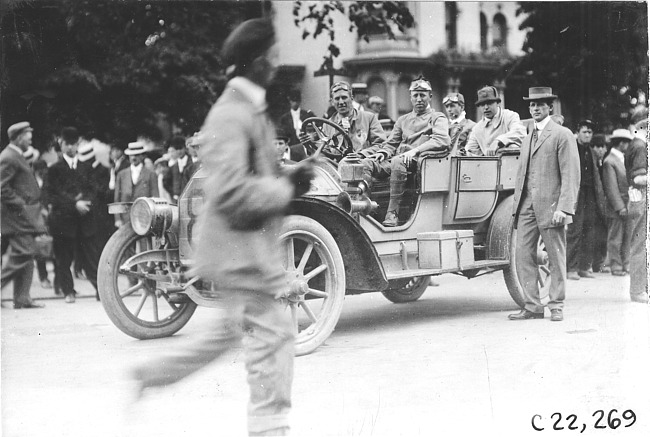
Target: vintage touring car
[459,220]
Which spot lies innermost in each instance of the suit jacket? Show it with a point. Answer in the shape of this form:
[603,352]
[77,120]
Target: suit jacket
[125,191]
[236,238]
[615,185]
[636,161]
[505,126]
[64,187]
[554,165]
[459,134]
[174,180]
[21,207]
[286,123]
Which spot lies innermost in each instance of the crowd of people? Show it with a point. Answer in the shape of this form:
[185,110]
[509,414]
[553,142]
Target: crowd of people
[58,213]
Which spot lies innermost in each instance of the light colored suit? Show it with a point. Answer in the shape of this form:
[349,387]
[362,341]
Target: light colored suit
[548,180]
[505,127]
[125,191]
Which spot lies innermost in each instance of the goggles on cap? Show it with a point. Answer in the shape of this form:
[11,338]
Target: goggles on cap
[451,99]
[340,86]
[420,85]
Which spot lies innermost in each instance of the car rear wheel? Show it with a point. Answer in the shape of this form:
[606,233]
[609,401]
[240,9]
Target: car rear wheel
[409,292]
[139,307]
[314,267]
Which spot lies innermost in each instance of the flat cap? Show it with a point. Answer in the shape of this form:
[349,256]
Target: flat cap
[17,129]
[487,94]
[247,41]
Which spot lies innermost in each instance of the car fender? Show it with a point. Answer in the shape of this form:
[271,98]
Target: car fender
[363,269]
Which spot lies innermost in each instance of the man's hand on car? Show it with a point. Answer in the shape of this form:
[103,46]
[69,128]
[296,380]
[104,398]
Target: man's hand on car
[407,157]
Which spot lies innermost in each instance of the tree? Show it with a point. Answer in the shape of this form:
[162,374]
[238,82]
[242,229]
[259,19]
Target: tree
[114,69]
[368,18]
[594,54]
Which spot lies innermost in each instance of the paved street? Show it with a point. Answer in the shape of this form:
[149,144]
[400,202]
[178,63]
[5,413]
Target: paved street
[450,364]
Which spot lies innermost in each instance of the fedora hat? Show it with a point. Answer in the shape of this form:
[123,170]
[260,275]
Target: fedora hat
[31,154]
[622,134]
[540,93]
[135,148]
[487,94]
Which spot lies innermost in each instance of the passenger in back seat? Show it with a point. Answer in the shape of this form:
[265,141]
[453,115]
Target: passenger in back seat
[418,131]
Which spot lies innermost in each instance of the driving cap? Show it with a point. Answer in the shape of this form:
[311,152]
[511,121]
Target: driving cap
[281,134]
[247,41]
[420,84]
[454,98]
[487,94]
[16,129]
[341,86]
[622,134]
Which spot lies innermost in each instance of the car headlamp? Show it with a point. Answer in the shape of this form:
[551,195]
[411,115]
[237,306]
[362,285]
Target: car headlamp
[152,215]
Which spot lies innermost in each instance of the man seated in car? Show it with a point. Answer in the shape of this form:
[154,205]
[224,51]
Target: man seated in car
[418,131]
[362,127]
[499,128]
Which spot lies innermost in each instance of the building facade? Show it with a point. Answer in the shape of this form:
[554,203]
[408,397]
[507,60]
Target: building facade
[458,46]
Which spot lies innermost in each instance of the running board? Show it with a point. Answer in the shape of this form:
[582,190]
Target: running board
[478,265]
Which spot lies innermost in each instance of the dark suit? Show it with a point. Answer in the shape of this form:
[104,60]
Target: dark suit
[547,181]
[145,186]
[69,228]
[20,220]
[286,123]
[174,181]
[619,230]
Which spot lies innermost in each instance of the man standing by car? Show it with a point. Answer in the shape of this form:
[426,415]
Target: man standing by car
[237,235]
[21,212]
[497,129]
[418,131]
[459,126]
[546,191]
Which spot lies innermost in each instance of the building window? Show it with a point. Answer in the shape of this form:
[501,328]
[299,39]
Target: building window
[499,31]
[484,32]
[451,17]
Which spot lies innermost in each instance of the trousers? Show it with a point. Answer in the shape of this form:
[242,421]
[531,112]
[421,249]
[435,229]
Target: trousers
[619,232]
[580,233]
[638,267]
[64,251]
[19,266]
[528,233]
[268,339]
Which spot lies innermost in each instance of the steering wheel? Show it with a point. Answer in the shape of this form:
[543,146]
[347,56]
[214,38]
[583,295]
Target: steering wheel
[334,147]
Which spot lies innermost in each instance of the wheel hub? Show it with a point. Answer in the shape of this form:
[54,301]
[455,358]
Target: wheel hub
[297,289]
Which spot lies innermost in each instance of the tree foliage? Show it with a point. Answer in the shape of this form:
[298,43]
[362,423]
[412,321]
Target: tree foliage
[115,69]
[594,54]
[367,17]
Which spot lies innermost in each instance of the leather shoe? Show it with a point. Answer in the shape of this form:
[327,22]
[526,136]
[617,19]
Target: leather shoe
[391,219]
[69,298]
[573,275]
[556,315]
[19,306]
[618,273]
[586,274]
[525,315]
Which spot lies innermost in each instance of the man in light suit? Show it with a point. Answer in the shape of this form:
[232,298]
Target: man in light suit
[497,129]
[546,193]
[21,211]
[619,229]
[134,181]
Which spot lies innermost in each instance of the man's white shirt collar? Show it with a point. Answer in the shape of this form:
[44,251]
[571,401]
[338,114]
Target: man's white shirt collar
[72,162]
[135,172]
[542,124]
[617,153]
[460,118]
